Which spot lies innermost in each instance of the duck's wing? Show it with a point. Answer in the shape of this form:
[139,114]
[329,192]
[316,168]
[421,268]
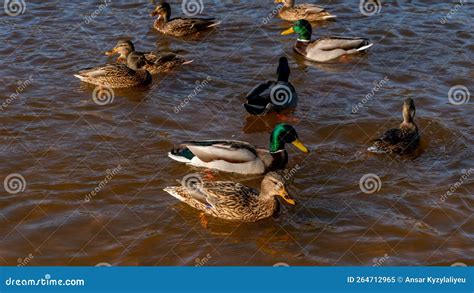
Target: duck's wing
[191,24]
[335,42]
[310,8]
[227,194]
[387,142]
[227,150]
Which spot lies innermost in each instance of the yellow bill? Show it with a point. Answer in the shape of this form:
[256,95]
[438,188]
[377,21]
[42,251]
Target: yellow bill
[288,31]
[111,52]
[278,1]
[286,197]
[297,143]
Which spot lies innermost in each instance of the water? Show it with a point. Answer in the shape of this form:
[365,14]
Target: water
[65,145]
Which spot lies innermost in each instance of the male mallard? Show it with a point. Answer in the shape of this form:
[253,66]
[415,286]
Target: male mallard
[234,201]
[402,140]
[273,95]
[155,62]
[326,48]
[309,12]
[179,26]
[118,75]
[237,156]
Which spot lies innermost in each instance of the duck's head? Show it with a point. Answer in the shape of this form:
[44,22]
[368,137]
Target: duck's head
[282,134]
[283,70]
[136,61]
[287,3]
[123,48]
[409,110]
[273,184]
[302,28]
[163,10]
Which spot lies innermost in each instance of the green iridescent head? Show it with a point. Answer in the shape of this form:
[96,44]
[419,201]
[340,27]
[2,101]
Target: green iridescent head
[302,28]
[282,134]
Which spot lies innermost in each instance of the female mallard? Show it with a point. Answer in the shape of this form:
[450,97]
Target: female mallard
[237,156]
[324,49]
[179,26]
[309,12]
[118,75]
[155,62]
[234,201]
[273,95]
[402,140]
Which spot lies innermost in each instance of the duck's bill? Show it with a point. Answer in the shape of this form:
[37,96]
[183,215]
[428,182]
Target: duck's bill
[154,13]
[297,143]
[288,31]
[286,197]
[278,1]
[111,52]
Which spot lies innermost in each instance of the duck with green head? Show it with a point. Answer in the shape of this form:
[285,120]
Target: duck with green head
[309,12]
[273,95]
[155,62]
[237,156]
[179,26]
[324,49]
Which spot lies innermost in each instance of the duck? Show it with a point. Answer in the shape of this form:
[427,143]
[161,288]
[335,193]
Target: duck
[179,26]
[155,62]
[118,75]
[324,49]
[272,95]
[402,140]
[234,201]
[309,12]
[237,156]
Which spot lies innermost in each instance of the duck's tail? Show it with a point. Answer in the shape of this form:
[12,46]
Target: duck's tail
[214,24]
[329,16]
[183,155]
[364,46]
[188,62]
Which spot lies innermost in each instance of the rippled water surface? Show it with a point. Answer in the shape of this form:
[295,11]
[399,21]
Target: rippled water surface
[65,145]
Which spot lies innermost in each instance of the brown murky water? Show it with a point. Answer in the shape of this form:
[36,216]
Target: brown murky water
[65,145]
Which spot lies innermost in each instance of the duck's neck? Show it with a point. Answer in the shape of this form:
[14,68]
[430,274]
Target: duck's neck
[279,160]
[289,3]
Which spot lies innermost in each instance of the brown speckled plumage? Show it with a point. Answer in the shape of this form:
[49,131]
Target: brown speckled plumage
[309,12]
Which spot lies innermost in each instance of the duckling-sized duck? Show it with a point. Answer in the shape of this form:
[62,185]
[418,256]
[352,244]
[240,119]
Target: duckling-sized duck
[118,75]
[402,140]
[309,12]
[273,95]
[179,26]
[326,48]
[155,62]
[234,201]
[237,156]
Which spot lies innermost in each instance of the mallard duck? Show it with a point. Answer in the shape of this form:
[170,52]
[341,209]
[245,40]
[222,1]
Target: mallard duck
[118,75]
[234,201]
[237,156]
[309,12]
[326,48]
[155,62]
[402,140]
[273,95]
[179,26]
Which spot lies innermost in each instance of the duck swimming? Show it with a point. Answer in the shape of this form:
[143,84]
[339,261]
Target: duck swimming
[179,26]
[273,95]
[155,62]
[309,12]
[118,75]
[234,201]
[237,156]
[402,140]
[326,48]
